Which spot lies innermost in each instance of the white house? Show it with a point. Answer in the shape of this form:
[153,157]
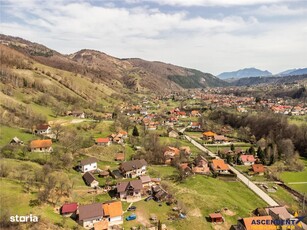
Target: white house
[43,129]
[247,159]
[133,169]
[88,164]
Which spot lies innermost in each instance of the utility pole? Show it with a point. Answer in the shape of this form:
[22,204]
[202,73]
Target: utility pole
[304,203]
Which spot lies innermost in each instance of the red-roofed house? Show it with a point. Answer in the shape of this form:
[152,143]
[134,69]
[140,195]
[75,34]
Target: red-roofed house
[69,209]
[103,141]
[170,153]
[195,125]
[247,159]
[209,135]
[219,166]
[113,211]
[195,113]
[41,145]
[258,169]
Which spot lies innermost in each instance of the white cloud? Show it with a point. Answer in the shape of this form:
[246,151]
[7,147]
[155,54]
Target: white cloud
[208,2]
[209,44]
[279,10]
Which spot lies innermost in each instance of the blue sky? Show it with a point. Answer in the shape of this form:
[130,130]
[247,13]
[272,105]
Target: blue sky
[210,35]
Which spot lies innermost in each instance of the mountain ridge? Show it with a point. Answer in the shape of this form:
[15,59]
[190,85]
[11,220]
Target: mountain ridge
[134,73]
[246,72]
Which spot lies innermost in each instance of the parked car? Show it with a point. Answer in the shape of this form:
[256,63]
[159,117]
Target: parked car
[131,217]
[149,198]
[132,208]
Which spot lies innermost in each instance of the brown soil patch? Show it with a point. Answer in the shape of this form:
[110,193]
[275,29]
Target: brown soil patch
[228,212]
[224,226]
[142,219]
[195,212]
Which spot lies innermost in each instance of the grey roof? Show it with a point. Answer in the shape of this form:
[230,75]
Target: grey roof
[145,179]
[90,211]
[220,138]
[16,140]
[88,178]
[282,212]
[132,165]
[124,185]
[87,161]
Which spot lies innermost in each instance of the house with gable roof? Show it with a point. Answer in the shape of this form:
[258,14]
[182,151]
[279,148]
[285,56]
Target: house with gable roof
[133,169]
[41,145]
[113,212]
[103,141]
[88,164]
[219,166]
[90,180]
[247,159]
[129,189]
[42,129]
[90,214]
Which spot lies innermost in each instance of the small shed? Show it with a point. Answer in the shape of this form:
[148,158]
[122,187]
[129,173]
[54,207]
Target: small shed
[69,209]
[216,218]
[104,173]
[119,156]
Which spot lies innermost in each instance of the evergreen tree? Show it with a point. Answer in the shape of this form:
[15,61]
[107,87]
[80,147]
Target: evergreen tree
[232,147]
[260,154]
[135,132]
[251,150]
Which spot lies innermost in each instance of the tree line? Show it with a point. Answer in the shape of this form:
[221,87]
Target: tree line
[272,130]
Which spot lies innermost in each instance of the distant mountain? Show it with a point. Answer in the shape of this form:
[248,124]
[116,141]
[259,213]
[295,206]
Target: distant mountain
[247,72]
[248,81]
[293,72]
[286,72]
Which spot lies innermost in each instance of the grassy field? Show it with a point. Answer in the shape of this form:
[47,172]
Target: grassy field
[234,196]
[215,148]
[7,133]
[283,197]
[16,202]
[42,110]
[289,177]
[179,143]
[298,120]
[143,211]
[203,195]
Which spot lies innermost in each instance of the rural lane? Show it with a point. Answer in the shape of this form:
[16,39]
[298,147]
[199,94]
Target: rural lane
[243,178]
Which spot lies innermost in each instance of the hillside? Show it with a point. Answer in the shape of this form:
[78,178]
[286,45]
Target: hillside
[32,92]
[184,77]
[135,74]
[242,73]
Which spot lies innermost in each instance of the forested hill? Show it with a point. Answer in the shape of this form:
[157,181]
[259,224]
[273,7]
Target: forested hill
[267,80]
